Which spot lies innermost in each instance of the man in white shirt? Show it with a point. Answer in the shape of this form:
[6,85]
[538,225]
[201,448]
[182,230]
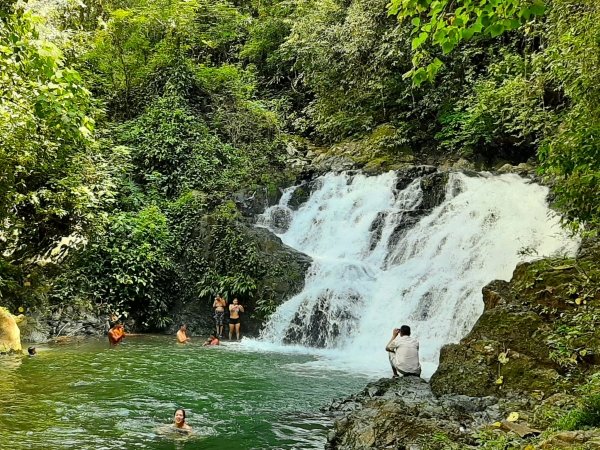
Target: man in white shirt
[404,353]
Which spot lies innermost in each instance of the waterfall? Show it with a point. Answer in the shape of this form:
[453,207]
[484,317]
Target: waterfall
[381,260]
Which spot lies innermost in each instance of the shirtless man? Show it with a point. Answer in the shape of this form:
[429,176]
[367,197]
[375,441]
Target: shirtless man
[219,305]
[116,334]
[234,318]
[182,336]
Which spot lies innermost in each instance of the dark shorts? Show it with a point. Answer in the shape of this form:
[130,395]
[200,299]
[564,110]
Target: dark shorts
[408,374]
[219,316]
[234,321]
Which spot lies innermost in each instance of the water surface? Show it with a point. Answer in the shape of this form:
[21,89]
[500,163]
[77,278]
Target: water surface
[85,395]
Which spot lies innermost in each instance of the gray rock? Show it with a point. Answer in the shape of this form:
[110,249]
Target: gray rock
[404,413]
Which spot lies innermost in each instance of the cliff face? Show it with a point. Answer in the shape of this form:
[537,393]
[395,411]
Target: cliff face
[533,358]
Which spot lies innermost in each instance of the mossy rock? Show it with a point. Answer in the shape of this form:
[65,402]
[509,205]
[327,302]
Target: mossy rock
[463,371]
[382,150]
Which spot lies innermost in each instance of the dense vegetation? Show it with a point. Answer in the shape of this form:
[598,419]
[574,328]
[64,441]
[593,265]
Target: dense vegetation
[127,126]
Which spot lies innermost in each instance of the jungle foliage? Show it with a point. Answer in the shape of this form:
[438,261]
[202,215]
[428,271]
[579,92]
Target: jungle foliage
[127,126]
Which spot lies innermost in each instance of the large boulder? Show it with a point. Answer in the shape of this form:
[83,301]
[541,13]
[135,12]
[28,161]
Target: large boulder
[10,335]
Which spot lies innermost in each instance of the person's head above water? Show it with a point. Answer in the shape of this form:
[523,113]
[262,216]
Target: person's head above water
[31,351]
[179,418]
[404,330]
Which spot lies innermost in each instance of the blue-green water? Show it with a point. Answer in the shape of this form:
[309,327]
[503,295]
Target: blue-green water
[85,395]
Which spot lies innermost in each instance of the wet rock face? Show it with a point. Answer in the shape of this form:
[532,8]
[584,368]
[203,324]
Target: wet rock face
[320,325]
[280,219]
[403,414]
[434,190]
[64,322]
[300,196]
[406,176]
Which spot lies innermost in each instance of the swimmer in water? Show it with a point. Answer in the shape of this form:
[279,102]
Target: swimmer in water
[212,340]
[179,421]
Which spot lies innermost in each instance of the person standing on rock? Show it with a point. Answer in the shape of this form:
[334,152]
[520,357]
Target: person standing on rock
[219,305]
[404,353]
[234,318]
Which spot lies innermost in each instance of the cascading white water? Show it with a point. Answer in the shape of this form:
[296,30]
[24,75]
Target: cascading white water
[375,270]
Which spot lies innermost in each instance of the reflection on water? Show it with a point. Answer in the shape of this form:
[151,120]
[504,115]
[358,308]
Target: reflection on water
[88,396]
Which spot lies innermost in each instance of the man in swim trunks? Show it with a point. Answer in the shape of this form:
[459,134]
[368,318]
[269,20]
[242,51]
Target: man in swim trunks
[234,318]
[116,334]
[219,305]
[182,336]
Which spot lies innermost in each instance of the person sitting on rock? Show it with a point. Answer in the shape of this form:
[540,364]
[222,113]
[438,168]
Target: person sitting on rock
[116,334]
[404,353]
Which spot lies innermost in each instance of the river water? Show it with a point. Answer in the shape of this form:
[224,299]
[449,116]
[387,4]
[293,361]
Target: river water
[85,395]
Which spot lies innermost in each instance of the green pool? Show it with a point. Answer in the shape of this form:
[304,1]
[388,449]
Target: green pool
[84,395]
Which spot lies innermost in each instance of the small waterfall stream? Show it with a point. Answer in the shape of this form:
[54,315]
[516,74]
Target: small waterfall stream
[380,261]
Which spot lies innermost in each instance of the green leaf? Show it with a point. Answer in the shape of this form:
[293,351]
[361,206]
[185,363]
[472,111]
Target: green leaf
[538,8]
[447,47]
[419,40]
[495,29]
[467,33]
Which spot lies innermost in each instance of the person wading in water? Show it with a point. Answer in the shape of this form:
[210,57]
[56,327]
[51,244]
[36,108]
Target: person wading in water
[182,336]
[116,334]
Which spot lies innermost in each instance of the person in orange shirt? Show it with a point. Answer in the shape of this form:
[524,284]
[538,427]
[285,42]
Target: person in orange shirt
[116,334]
